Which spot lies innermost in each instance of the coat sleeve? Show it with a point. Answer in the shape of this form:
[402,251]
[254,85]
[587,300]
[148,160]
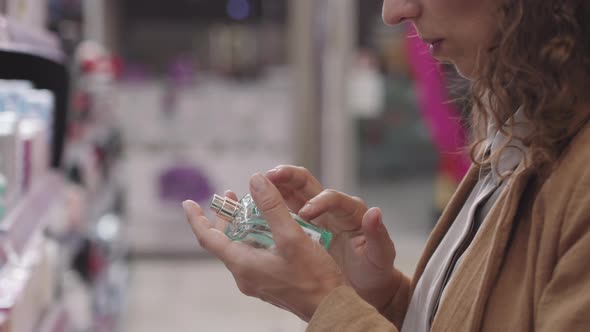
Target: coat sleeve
[565,302]
[345,311]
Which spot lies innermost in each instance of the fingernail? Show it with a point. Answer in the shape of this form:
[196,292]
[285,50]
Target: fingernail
[381,226]
[186,205]
[189,204]
[258,183]
[273,171]
[379,212]
[305,209]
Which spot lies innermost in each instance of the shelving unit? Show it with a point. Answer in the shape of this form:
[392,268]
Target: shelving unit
[42,242]
[27,277]
[56,320]
[28,272]
[19,38]
[31,214]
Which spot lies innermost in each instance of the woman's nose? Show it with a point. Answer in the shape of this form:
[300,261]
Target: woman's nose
[398,11]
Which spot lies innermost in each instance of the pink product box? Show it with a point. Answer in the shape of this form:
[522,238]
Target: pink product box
[35,159]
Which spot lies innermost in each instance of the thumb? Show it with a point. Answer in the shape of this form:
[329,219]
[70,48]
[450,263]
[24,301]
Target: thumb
[380,249]
[269,201]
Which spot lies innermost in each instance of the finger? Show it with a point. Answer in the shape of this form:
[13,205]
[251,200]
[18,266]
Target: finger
[285,230]
[296,185]
[221,224]
[380,249]
[293,199]
[209,238]
[230,194]
[296,179]
[338,204]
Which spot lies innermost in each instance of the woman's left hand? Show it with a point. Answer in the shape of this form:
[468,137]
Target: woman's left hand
[296,274]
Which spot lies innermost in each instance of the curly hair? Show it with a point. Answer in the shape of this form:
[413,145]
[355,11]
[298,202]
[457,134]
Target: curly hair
[539,62]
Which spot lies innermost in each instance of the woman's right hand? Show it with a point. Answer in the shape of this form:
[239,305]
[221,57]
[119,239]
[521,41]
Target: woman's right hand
[361,244]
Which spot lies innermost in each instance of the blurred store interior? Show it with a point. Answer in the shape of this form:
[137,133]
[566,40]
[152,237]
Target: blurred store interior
[113,112]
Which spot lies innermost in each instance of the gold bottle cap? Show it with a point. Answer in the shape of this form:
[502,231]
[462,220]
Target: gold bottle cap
[224,207]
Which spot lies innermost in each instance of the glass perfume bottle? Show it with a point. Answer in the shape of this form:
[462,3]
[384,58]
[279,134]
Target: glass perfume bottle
[246,223]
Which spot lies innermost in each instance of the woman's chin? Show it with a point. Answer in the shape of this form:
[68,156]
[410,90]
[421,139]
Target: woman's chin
[466,70]
[463,67]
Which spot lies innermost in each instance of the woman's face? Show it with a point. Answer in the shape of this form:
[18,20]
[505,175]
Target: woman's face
[456,30]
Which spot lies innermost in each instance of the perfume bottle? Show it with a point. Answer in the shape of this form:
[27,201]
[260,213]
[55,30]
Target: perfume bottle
[246,223]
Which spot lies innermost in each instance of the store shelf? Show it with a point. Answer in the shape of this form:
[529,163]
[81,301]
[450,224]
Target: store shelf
[19,38]
[30,214]
[56,320]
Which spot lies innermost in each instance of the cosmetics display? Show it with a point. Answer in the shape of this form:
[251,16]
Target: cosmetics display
[52,229]
[62,254]
[32,201]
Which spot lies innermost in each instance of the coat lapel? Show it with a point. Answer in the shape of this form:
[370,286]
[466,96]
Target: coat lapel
[466,294]
[445,221]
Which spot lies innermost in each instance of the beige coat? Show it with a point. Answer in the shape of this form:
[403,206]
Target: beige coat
[528,269]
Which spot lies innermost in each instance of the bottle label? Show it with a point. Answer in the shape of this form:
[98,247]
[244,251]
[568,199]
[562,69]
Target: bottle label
[314,235]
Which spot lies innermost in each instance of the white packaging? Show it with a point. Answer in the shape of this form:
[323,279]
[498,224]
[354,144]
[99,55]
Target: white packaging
[38,121]
[10,154]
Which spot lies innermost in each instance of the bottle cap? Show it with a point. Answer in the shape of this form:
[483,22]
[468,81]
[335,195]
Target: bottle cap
[224,207]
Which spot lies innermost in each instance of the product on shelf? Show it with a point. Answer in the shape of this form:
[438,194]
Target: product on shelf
[10,153]
[29,199]
[25,125]
[28,274]
[40,240]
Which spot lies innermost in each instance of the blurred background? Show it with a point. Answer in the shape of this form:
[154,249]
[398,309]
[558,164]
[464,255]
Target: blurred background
[112,112]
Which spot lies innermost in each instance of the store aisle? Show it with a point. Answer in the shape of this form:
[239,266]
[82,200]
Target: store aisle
[197,295]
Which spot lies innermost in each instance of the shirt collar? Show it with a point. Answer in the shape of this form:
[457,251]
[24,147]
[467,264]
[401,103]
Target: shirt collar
[515,151]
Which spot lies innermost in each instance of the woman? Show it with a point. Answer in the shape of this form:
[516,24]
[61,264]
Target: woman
[510,251]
